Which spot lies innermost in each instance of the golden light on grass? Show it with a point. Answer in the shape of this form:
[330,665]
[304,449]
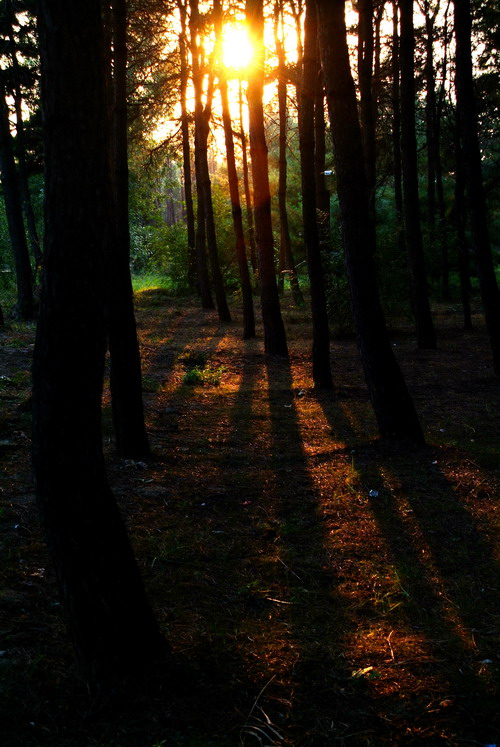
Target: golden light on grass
[237,50]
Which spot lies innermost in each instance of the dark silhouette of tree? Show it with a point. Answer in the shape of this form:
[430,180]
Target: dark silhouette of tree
[389,394]
[202,115]
[246,182]
[186,150]
[125,369]
[322,376]
[274,329]
[426,337]
[286,259]
[13,209]
[110,621]
[241,253]
[476,203]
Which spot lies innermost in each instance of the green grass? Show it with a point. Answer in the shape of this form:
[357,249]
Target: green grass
[152,282]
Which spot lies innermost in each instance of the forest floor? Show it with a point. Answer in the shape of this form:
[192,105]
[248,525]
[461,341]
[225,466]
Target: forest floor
[324,587]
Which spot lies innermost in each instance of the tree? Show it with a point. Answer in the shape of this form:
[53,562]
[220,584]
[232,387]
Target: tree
[476,203]
[241,253]
[125,369]
[202,117]
[110,621]
[321,336]
[13,208]
[426,337]
[389,394]
[274,329]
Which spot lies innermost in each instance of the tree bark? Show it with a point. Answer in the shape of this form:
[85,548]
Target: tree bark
[232,175]
[246,184]
[12,198]
[125,370]
[322,192]
[274,329]
[389,394]
[365,75]
[201,123]
[426,337]
[111,623]
[476,203]
[322,375]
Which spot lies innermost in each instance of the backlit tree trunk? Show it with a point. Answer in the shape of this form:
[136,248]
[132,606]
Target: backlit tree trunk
[274,329]
[322,376]
[389,394]
[110,620]
[476,202]
[125,370]
[426,337]
[14,213]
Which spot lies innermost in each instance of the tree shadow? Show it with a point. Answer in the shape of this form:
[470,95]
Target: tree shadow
[443,607]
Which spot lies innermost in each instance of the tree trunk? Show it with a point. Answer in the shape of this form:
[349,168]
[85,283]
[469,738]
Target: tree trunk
[389,394]
[125,371]
[459,214]
[27,206]
[322,376]
[232,175]
[274,329]
[396,127]
[426,337]
[476,203]
[201,123]
[110,620]
[246,185]
[13,210]
[322,192]
[365,75]
[186,154]
[286,263]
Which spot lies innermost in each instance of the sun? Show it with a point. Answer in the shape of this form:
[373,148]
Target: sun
[237,51]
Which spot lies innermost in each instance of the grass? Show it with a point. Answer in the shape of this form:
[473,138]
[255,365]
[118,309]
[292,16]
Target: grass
[323,587]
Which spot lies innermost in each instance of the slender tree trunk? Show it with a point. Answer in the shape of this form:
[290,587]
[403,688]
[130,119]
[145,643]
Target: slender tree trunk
[274,329]
[322,375]
[110,620]
[396,127]
[389,394]
[241,253]
[287,263]
[202,129]
[246,184]
[426,337]
[365,75]
[13,209]
[459,214]
[322,192]
[31,227]
[125,370]
[476,203]
[186,154]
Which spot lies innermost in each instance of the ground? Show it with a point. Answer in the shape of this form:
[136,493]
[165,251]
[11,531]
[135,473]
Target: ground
[319,586]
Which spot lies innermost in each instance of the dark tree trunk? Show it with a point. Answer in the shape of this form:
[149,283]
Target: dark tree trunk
[31,227]
[322,192]
[365,75]
[232,175]
[202,128]
[459,215]
[426,337]
[125,371]
[396,127]
[13,210]
[322,375]
[186,154]
[389,394]
[286,263]
[430,118]
[476,203]
[246,185]
[274,329]
[110,620]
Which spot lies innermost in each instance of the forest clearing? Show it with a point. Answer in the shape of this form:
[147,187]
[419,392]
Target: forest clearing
[318,585]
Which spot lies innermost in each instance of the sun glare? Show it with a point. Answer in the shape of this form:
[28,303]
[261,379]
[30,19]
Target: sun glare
[236,48]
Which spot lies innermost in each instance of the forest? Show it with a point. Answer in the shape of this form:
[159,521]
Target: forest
[249,373]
